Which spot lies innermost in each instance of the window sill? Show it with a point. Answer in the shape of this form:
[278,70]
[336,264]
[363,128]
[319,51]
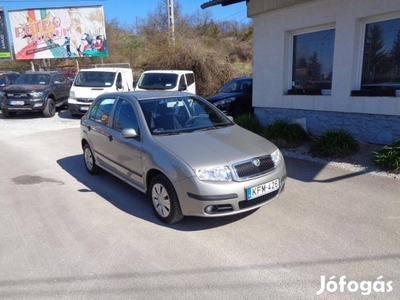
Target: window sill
[309,92]
[373,93]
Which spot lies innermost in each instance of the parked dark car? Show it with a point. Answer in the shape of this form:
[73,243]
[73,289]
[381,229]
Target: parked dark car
[41,91]
[234,98]
[8,78]
[185,154]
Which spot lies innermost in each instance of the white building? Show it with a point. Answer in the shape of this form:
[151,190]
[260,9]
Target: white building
[329,64]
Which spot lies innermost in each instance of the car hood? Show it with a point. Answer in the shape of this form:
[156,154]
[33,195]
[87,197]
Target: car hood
[216,147]
[221,96]
[21,88]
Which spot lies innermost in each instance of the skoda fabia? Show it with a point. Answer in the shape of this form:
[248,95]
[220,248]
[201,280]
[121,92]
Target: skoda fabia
[188,157]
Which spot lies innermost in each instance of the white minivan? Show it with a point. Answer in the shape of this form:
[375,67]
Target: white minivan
[168,80]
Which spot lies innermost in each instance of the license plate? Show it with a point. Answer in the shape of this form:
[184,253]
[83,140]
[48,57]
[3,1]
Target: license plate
[84,108]
[16,102]
[262,189]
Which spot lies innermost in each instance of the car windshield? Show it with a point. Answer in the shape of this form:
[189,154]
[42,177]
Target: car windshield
[95,79]
[236,86]
[158,81]
[179,115]
[33,79]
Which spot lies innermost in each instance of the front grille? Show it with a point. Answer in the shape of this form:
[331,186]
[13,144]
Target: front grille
[257,201]
[85,100]
[18,96]
[249,169]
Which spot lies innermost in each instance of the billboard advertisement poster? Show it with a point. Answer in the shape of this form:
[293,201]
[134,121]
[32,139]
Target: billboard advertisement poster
[4,44]
[66,32]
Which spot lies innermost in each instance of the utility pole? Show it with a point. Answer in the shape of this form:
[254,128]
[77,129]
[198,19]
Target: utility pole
[171,21]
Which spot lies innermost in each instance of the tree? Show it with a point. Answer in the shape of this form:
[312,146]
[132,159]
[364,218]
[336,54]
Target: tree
[374,53]
[314,67]
[395,58]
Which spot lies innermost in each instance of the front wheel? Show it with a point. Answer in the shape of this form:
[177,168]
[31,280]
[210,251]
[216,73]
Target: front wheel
[8,114]
[50,109]
[90,161]
[164,200]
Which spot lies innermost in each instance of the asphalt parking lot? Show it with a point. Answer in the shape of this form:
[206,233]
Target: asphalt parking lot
[68,235]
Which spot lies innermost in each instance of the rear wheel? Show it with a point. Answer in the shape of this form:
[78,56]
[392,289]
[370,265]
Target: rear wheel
[50,109]
[90,161]
[164,200]
[8,114]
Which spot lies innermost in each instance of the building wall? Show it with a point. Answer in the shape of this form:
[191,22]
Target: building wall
[273,35]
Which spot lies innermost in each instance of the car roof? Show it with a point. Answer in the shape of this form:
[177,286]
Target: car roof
[148,95]
[43,72]
[8,72]
[242,78]
[168,71]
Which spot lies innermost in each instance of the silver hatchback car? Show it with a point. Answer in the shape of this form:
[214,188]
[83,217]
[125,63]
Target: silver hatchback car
[185,154]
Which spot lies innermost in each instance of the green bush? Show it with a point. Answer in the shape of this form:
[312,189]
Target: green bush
[250,122]
[389,158]
[334,143]
[285,134]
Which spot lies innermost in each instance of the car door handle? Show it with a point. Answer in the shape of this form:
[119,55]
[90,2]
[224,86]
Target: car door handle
[110,138]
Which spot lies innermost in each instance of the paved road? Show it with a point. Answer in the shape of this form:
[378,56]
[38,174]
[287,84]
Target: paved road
[68,235]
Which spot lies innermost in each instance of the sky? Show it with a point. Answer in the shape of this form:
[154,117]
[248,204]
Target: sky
[127,12]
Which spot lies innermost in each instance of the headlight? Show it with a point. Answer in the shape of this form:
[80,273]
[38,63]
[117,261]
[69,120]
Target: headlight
[36,94]
[224,101]
[214,174]
[72,94]
[276,157]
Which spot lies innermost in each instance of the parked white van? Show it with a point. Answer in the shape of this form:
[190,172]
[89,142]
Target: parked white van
[89,83]
[168,80]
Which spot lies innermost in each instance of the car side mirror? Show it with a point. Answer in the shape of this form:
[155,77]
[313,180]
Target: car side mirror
[129,133]
[183,87]
[119,85]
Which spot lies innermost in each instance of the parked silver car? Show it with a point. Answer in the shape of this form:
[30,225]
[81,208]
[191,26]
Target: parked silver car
[185,154]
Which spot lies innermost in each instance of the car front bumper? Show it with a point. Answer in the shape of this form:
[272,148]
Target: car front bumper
[78,107]
[22,105]
[214,199]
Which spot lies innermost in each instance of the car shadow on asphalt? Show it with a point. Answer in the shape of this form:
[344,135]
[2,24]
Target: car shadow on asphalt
[132,201]
[308,171]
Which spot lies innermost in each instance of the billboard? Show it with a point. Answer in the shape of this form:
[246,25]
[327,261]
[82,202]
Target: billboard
[4,44]
[58,32]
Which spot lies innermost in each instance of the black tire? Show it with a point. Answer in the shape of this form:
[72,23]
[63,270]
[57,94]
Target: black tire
[50,109]
[164,200]
[8,114]
[90,161]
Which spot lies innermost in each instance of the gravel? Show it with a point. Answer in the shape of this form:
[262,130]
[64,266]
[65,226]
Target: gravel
[26,123]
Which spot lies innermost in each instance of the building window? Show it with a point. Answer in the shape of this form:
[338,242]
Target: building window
[381,59]
[313,62]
